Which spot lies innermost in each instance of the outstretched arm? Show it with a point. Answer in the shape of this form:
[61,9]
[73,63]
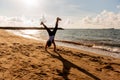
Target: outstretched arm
[56,25]
[54,46]
[48,30]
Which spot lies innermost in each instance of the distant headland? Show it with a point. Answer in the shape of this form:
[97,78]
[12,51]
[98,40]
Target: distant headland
[24,28]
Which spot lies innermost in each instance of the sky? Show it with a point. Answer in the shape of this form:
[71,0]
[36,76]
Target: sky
[96,14]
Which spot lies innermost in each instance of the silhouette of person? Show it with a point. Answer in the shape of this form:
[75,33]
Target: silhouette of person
[51,34]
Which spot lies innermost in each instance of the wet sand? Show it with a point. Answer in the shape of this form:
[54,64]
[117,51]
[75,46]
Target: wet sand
[26,59]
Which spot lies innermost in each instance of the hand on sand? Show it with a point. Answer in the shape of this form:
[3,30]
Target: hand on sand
[59,19]
[41,23]
[55,50]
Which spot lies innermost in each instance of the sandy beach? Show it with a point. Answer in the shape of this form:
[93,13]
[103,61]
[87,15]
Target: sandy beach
[26,59]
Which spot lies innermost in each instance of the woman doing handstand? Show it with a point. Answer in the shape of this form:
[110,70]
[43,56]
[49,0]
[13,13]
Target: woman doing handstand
[51,34]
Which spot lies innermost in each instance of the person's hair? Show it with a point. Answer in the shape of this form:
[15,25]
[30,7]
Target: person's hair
[49,43]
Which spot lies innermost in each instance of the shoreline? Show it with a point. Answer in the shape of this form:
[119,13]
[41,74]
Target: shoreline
[90,48]
[26,59]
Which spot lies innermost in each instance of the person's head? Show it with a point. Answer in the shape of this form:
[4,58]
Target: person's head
[49,43]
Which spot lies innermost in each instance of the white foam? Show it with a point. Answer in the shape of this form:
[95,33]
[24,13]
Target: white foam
[90,49]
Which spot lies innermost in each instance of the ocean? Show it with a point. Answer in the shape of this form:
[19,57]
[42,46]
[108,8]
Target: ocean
[102,41]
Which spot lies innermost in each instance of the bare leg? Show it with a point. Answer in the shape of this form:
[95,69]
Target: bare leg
[46,47]
[48,30]
[56,25]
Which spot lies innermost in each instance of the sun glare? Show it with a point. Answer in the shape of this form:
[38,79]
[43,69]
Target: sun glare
[31,3]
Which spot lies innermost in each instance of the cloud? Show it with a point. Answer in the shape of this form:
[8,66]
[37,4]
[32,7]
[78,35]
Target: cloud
[15,21]
[105,19]
[118,6]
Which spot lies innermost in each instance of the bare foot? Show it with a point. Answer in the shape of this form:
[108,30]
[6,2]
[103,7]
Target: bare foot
[59,19]
[41,23]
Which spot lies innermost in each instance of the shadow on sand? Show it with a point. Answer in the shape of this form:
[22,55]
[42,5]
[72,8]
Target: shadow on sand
[67,65]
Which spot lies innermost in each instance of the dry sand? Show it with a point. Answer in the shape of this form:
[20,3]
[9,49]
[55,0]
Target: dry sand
[25,59]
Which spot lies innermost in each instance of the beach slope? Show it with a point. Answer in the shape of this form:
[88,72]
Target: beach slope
[26,59]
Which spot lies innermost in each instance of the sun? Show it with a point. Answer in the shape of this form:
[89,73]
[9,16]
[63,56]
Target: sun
[31,3]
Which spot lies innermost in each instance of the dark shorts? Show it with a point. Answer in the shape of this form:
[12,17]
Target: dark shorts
[50,40]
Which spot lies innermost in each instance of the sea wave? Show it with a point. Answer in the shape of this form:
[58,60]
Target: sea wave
[107,47]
